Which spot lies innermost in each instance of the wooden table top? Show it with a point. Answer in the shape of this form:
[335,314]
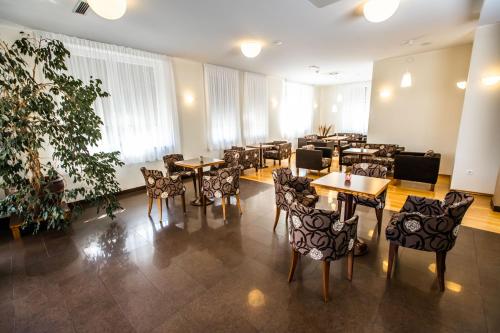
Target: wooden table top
[335,138]
[259,146]
[360,151]
[195,163]
[359,185]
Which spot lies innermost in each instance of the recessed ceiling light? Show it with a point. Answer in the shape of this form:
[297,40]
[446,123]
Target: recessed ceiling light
[109,9]
[314,68]
[251,49]
[278,43]
[376,11]
[425,44]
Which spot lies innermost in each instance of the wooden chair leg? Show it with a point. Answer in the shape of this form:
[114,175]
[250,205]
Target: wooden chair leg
[166,202]
[274,162]
[277,218]
[326,280]
[194,184]
[150,205]
[379,212]
[279,162]
[295,257]
[289,161]
[223,208]
[184,202]
[238,203]
[393,252]
[158,201]
[328,169]
[286,217]
[432,187]
[350,265]
[297,171]
[339,207]
[440,268]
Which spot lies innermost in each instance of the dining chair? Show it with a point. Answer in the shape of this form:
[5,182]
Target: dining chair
[175,170]
[222,184]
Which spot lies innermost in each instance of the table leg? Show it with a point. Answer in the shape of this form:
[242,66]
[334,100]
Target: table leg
[261,159]
[360,247]
[200,199]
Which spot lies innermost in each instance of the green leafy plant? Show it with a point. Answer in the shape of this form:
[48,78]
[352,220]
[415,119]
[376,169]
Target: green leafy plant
[43,108]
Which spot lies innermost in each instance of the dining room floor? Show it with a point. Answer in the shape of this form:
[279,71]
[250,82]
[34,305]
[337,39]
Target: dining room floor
[195,273]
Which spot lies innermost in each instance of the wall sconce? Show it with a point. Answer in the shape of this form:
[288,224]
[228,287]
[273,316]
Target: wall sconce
[340,98]
[385,93]
[406,80]
[274,103]
[335,109]
[462,85]
[491,80]
[188,99]
[315,106]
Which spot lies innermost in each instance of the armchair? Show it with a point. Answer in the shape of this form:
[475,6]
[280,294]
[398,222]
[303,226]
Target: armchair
[370,170]
[159,187]
[313,158]
[280,151]
[175,170]
[428,225]
[248,158]
[322,236]
[289,189]
[221,184]
[418,167]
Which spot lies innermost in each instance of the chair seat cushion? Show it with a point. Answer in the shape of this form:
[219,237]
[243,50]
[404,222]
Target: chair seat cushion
[385,161]
[307,198]
[363,201]
[326,162]
[349,159]
[183,173]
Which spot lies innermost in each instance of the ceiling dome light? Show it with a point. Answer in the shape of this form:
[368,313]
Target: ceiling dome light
[109,9]
[251,49]
[380,10]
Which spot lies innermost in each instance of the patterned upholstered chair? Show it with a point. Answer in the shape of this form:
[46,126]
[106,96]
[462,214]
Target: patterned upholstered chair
[221,184]
[428,225]
[249,157]
[370,170]
[174,170]
[321,235]
[288,189]
[281,151]
[159,187]
[231,160]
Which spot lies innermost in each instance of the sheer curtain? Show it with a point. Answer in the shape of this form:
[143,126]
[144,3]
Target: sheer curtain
[223,107]
[255,108]
[355,106]
[296,114]
[140,115]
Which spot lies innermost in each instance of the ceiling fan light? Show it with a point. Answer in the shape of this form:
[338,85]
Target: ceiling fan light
[109,9]
[376,11]
[251,49]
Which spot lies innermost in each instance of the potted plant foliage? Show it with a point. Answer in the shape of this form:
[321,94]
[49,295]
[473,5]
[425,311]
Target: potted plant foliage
[46,111]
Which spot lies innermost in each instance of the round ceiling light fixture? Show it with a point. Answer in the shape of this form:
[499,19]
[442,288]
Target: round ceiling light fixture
[251,49]
[376,11]
[109,9]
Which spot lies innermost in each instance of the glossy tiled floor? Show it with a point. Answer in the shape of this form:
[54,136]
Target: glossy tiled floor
[197,274]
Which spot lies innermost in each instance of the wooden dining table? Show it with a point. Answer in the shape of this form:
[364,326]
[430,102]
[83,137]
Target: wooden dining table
[370,187]
[198,164]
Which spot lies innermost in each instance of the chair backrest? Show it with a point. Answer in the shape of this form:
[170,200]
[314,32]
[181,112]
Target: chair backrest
[154,181]
[169,161]
[232,158]
[370,170]
[222,182]
[282,176]
[456,204]
[320,233]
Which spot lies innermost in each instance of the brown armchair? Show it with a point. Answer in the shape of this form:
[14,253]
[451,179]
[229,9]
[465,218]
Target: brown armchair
[280,151]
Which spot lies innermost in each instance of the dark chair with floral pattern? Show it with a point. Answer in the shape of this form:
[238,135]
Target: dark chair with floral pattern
[288,189]
[175,170]
[321,235]
[159,187]
[249,157]
[231,160]
[222,184]
[428,225]
[280,151]
[370,170]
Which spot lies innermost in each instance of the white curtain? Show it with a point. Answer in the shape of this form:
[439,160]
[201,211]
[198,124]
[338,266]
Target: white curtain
[296,114]
[354,104]
[223,107]
[255,108]
[140,115]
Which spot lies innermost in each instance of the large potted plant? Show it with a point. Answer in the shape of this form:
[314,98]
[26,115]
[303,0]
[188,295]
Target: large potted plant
[46,112]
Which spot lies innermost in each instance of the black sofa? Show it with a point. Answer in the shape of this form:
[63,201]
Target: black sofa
[313,158]
[417,167]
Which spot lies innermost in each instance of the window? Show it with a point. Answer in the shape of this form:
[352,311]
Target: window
[223,107]
[354,106]
[255,108]
[140,115]
[296,114]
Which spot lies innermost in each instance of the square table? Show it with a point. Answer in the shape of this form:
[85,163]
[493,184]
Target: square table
[262,147]
[370,187]
[198,164]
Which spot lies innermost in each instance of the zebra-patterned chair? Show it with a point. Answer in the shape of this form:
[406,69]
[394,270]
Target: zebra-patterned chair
[428,225]
[289,188]
[321,235]
[370,170]
[222,184]
[159,187]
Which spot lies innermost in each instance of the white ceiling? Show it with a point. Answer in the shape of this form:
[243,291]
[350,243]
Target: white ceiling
[335,38]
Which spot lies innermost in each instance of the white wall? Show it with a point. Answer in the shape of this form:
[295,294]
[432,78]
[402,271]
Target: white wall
[478,149]
[426,115]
